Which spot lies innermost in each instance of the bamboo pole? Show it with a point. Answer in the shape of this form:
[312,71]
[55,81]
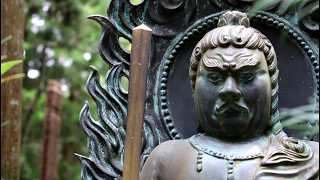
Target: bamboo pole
[141,38]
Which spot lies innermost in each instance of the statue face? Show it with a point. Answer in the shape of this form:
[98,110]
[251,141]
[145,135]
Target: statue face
[233,92]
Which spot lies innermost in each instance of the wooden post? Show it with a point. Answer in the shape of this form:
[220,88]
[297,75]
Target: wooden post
[51,132]
[12,23]
[141,38]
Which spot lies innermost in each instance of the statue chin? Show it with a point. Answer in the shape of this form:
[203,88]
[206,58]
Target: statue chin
[232,123]
[233,134]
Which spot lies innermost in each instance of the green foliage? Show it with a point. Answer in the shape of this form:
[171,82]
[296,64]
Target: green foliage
[136,1]
[284,6]
[4,124]
[305,119]
[6,66]
[70,170]
[6,40]
[125,44]
[31,152]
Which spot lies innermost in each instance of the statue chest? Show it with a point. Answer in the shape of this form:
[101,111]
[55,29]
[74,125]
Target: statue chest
[217,169]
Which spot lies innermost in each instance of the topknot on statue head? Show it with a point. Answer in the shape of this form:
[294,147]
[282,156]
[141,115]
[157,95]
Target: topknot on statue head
[234,18]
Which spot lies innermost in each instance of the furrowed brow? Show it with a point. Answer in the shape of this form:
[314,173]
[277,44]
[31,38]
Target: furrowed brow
[246,61]
[213,63]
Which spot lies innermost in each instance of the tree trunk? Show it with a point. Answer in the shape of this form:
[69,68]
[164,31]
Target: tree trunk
[12,23]
[51,132]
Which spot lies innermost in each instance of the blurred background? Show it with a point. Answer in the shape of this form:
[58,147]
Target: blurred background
[60,44]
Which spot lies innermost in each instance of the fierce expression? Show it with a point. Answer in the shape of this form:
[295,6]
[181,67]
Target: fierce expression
[233,92]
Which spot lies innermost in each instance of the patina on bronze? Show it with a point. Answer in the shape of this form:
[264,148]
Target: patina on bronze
[234,75]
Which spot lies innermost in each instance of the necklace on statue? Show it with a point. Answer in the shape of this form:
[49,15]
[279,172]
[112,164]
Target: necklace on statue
[231,158]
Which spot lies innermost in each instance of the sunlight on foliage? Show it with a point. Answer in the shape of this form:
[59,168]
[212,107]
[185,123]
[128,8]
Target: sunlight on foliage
[125,44]
[6,66]
[124,83]
[136,2]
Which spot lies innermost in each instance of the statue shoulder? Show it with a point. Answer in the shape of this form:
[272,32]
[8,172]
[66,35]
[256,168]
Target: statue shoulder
[294,164]
[169,148]
[164,158]
[314,146]
[315,159]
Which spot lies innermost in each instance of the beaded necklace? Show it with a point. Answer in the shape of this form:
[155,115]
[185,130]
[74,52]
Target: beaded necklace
[230,158]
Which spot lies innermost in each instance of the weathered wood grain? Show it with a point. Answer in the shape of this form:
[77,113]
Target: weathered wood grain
[141,39]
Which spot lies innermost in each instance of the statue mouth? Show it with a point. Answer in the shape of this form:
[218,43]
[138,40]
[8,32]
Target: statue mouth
[231,111]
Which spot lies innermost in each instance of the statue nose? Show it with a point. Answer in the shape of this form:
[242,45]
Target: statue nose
[230,91]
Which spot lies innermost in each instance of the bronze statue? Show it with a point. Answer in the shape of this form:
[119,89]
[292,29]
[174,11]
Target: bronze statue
[234,76]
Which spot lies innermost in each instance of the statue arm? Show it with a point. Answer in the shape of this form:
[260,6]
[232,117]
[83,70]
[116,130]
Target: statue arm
[153,167]
[167,160]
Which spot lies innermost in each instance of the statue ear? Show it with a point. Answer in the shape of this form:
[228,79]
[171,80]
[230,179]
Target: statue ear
[198,53]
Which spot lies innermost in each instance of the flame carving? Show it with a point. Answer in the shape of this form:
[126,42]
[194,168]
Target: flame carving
[107,134]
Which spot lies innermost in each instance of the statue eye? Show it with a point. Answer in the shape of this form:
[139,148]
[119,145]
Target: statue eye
[214,77]
[247,77]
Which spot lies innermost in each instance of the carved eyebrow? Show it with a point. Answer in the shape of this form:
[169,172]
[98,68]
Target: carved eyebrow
[246,61]
[240,62]
[213,62]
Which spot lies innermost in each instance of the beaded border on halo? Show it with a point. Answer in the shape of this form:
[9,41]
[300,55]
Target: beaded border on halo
[208,22]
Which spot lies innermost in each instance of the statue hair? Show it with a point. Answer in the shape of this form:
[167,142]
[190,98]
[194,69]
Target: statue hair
[234,30]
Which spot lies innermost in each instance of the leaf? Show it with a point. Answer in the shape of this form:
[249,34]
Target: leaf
[3,57]
[287,5]
[8,65]
[4,123]
[136,2]
[15,76]
[307,9]
[261,5]
[298,110]
[6,39]
[300,127]
[300,119]
[314,130]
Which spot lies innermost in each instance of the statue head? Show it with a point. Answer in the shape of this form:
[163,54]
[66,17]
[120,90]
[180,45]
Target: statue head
[234,76]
